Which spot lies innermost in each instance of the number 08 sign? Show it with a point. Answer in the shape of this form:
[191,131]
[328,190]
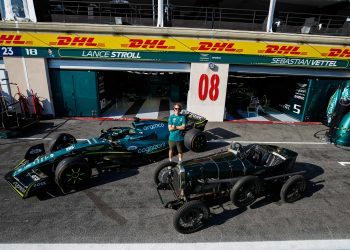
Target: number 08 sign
[207,91]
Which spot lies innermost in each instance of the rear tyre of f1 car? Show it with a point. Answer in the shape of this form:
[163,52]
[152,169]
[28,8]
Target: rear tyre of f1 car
[162,174]
[245,191]
[72,173]
[293,189]
[191,217]
[195,140]
[61,141]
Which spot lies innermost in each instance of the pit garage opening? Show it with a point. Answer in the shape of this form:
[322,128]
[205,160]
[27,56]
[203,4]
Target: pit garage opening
[286,98]
[142,94]
[117,89]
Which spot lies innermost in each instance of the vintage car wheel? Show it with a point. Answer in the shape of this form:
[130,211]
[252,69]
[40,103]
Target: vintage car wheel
[293,189]
[161,174]
[191,217]
[61,141]
[72,173]
[195,140]
[245,191]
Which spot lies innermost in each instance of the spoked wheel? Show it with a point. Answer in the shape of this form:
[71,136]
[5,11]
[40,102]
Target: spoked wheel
[237,147]
[162,174]
[191,217]
[199,142]
[195,140]
[72,173]
[245,191]
[293,189]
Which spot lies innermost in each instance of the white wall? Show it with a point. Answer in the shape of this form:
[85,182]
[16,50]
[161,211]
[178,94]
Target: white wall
[208,102]
[30,73]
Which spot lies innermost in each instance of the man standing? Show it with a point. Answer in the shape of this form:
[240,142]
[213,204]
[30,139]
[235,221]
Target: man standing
[176,125]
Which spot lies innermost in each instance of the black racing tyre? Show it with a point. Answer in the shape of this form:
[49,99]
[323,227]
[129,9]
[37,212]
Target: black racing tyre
[161,173]
[61,141]
[195,140]
[72,173]
[245,191]
[293,189]
[191,217]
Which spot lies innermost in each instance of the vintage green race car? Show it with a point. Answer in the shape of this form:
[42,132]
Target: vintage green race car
[241,173]
[69,163]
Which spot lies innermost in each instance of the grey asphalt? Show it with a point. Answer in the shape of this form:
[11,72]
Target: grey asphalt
[123,206]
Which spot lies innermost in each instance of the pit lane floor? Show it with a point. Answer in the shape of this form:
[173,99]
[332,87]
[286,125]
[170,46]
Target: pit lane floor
[123,207]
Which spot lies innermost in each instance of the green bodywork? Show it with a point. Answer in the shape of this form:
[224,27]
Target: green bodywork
[145,142]
[199,175]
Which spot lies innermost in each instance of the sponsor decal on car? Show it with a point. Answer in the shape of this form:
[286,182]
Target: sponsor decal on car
[34,177]
[35,151]
[70,148]
[131,148]
[35,162]
[18,187]
[152,148]
[154,126]
[40,184]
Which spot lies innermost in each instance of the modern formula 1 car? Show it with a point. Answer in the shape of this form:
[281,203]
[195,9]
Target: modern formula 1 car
[69,163]
[241,173]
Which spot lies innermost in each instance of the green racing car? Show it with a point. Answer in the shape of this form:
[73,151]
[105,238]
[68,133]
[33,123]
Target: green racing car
[69,163]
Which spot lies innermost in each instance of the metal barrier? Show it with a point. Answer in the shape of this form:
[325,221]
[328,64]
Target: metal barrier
[196,17]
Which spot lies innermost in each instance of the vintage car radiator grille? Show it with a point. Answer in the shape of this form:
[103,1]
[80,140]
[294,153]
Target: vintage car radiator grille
[176,181]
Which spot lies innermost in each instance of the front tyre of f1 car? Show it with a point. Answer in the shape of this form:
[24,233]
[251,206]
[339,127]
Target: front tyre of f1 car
[245,191]
[293,189]
[163,172]
[195,140]
[61,141]
[191,217]
[72,173]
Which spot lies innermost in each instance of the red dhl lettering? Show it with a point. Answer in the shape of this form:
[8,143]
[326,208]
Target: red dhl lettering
[339,53]
[147,44]
[12,39]
[76,41]
[284,50]
[209,46]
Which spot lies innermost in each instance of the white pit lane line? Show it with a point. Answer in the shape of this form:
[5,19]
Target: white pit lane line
[263,245]
[45,139]
[271,142]
[213,141]
[344,163]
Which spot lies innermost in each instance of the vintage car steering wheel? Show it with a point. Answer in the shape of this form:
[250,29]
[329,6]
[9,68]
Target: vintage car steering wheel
[237,146]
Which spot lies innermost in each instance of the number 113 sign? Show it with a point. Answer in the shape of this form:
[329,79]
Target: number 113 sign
[207,91]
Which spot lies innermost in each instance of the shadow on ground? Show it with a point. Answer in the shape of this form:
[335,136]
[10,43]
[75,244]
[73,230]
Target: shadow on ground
[225,215]
[44,127]
[216,145]
[219,134]
[271,196]
[97,179]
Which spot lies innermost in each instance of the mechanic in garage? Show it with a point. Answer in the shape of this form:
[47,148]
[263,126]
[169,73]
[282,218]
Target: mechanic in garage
[176,125]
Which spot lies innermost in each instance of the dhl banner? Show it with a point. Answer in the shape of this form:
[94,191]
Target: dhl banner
[134,47]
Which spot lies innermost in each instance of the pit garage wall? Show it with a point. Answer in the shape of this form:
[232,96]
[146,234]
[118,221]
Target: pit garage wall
[30,73]
[207,92]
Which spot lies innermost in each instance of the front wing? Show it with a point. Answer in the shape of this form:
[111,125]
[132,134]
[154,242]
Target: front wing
[27,183]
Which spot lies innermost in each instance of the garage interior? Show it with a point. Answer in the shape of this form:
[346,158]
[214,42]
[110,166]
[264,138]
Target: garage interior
[143,94]
[278,97]
[118,94]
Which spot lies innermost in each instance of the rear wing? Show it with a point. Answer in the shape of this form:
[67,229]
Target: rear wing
[194,120]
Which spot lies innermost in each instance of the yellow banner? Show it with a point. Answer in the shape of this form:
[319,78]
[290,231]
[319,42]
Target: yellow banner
[172,44]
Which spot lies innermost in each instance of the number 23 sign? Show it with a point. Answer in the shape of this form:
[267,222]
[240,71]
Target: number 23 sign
[207,92]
